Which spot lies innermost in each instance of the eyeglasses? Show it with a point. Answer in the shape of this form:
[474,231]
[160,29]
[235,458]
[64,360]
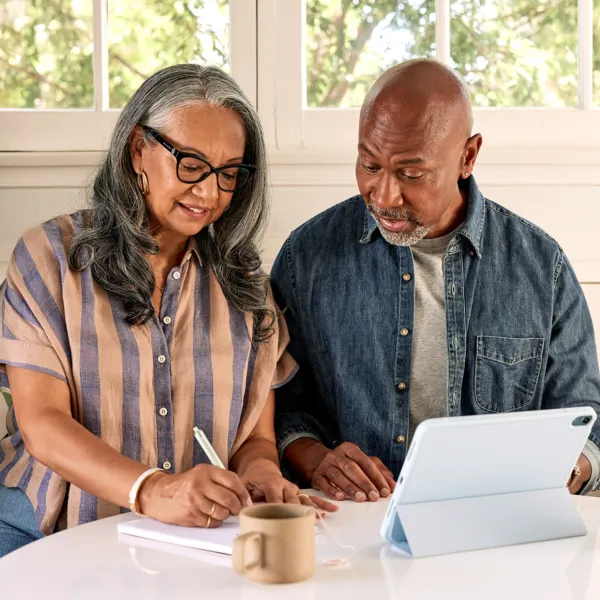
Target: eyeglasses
[192,168]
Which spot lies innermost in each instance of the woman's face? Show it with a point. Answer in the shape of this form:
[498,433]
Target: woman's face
[215,134]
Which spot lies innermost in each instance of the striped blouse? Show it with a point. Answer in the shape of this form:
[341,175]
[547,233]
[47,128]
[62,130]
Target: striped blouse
[140,389]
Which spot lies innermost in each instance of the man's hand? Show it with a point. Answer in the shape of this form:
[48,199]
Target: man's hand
[348,472]
[576,484]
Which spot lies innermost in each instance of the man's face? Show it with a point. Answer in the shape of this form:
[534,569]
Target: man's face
[407,171]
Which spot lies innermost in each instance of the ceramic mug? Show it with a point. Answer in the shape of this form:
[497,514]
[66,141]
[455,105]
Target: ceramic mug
[276,543]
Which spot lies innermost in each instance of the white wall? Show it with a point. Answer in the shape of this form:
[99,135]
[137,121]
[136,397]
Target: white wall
[558,191]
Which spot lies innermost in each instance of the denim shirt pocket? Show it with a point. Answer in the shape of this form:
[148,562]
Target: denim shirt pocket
[506,372]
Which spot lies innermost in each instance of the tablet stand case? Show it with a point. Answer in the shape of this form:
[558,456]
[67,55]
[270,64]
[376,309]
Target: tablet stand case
[463,524]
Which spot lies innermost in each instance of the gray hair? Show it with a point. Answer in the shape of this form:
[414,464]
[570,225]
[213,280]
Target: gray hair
[116,242]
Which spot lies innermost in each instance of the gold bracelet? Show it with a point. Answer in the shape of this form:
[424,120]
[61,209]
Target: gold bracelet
[135,490]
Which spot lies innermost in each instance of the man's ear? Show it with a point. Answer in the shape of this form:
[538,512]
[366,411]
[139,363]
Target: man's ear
[470,153]
[137,143]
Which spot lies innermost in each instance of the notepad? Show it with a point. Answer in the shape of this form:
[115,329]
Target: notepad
[219,540]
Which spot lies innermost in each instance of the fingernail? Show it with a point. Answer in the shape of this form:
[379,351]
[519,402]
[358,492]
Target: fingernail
[359,496]
[385,493]
[249,502]
[339,496]
[373,495]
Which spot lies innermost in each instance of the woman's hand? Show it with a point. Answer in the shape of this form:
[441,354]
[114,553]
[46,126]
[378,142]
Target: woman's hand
[204,496]
[266,484]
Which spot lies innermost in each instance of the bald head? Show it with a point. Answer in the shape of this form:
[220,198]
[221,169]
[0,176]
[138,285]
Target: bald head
[424,92]
[414,148]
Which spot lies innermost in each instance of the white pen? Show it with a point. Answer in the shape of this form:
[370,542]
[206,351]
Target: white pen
[207,447]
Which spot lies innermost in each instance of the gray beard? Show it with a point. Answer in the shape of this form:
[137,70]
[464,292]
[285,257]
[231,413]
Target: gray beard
[400,238]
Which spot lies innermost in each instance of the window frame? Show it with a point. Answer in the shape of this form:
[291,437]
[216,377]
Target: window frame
[293,127]
[89,130]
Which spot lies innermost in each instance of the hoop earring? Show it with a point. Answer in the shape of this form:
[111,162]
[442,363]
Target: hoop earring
[226,208]
[142,182]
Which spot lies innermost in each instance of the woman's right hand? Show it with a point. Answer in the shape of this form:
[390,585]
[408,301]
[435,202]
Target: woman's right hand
[204,495]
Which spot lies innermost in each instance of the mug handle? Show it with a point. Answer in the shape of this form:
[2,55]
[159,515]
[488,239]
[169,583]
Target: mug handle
[240,561]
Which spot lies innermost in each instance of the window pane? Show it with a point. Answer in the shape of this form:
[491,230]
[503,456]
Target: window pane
[349,43]
[517,52]
[596,63]
[147,35]
[46,54]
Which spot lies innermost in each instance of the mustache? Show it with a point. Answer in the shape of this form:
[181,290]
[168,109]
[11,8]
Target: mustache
[393,213]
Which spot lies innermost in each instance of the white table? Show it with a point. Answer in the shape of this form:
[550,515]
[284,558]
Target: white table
[89,563]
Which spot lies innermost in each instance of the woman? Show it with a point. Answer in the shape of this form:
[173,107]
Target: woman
[125,326]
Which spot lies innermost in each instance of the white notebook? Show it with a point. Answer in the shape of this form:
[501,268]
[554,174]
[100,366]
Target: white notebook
[218,540]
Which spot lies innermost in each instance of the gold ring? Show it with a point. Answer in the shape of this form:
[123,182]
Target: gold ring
[208,522]
[212,512]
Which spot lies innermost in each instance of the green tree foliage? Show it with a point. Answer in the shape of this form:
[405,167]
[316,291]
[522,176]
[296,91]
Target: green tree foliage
[511,52]
[46,47]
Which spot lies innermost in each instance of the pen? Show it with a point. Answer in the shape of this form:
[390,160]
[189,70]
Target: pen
[207,447]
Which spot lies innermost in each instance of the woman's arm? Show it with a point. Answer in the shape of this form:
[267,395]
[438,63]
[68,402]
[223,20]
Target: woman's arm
[51,435]
[55,439]
[259,451]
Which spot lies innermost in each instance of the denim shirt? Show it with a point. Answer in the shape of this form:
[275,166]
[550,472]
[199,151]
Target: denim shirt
[519,333]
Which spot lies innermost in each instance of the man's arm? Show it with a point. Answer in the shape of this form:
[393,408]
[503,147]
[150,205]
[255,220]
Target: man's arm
[300,415]
[572,376]
[307,434]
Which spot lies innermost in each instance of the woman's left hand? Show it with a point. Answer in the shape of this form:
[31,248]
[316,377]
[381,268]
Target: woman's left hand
[267,485]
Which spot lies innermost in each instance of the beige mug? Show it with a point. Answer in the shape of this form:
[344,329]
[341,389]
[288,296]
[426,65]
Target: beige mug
[276,543]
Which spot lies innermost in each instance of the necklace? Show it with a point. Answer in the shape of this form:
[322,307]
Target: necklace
[162,289]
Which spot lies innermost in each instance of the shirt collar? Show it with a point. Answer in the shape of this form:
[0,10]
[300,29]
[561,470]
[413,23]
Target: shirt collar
[192,249]
[471,229]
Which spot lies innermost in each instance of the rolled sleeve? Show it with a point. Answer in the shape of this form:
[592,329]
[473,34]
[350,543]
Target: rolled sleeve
[592,453]
[32,323]
[27,355]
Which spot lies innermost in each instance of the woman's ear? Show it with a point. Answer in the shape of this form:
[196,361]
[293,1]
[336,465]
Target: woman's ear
[137,143]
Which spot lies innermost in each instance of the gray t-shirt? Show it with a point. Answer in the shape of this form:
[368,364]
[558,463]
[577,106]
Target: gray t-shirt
[428,388]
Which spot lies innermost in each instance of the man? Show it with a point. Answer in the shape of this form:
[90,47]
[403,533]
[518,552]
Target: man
[420,298]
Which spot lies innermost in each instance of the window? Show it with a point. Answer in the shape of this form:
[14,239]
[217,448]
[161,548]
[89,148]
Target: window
[349,44]
[144,37]
[512,53]
[46,54]
[516,52]
[65,65]
[530,65]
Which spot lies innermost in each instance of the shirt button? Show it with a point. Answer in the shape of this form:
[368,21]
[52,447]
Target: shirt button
[400,439]
[163,412]
[167,465]
[406,277]
[404,331]
[176,275]
[167,320]
[402,386]
[161,359]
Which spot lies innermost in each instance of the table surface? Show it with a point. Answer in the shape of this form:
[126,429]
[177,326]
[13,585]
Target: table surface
[91,562]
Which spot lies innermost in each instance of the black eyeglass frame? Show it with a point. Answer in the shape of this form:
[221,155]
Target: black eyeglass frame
[179,156]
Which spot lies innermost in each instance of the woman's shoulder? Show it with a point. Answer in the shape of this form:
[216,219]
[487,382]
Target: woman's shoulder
[44,248]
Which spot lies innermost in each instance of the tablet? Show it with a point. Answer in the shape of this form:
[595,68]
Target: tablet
[484,455]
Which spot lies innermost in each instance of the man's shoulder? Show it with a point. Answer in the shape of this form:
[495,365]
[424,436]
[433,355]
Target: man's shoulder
[517,228]
[341,222]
